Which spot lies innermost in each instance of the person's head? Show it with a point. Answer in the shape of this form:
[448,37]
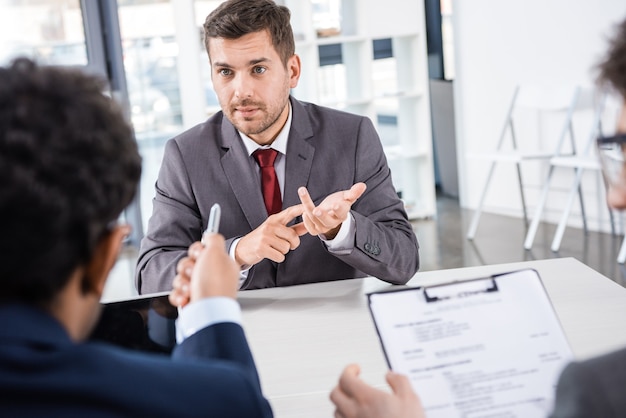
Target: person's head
[68,167]
[253,64]
[612,75]
[235,18]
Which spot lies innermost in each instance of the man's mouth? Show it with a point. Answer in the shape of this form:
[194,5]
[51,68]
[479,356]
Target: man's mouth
[246,111]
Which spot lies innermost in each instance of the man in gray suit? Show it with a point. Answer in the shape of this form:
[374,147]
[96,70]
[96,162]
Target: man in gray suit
[588,389]
[334,213]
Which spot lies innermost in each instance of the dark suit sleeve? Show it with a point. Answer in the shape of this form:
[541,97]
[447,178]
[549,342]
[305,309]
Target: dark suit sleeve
[225,342]
[579,394]
[385,244]
[175,220]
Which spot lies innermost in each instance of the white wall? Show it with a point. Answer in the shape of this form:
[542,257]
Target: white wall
[501,43]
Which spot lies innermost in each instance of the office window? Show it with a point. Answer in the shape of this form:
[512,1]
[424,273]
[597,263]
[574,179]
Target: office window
[52,32]
[447,34]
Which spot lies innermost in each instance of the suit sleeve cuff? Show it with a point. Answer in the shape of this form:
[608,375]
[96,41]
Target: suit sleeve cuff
[243,272]
[204,313]
[343,243]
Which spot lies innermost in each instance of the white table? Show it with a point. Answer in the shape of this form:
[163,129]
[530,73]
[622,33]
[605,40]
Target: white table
[303,336]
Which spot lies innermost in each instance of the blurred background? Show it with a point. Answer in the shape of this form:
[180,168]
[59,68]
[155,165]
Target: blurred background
[435,76]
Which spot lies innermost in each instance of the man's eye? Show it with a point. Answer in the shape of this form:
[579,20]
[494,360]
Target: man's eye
[225,72]
[259,70]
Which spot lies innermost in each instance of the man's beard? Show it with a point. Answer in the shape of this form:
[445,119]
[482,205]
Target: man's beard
[260,126]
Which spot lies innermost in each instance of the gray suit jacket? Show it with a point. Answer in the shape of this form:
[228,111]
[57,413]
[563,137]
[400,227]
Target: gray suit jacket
[327,151]
[593,388]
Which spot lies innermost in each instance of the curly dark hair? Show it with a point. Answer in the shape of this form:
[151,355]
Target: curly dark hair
[235,18]
[69,165]
[612,69]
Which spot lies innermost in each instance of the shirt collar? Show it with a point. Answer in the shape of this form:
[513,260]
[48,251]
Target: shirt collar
[279,144]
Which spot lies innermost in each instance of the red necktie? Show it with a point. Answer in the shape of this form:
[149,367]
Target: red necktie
[269,182]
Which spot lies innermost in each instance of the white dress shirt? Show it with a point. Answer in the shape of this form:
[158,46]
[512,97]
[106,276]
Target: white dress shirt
[205,312]
[343,243]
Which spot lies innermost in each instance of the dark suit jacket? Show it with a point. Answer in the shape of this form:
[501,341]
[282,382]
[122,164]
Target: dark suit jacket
[593,388]
[327,151]
[44,374]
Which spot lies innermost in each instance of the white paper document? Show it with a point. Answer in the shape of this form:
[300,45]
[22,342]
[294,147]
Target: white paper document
[490,347]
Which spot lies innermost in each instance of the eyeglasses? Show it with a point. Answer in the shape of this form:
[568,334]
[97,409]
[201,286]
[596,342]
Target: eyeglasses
[611,151]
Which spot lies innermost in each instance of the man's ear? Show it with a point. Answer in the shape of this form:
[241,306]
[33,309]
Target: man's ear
[104,258]
[294,67]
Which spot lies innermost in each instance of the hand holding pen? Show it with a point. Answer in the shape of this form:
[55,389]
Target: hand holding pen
[207,271]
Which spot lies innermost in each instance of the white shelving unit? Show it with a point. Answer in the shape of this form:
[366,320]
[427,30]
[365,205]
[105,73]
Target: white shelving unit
[391,88]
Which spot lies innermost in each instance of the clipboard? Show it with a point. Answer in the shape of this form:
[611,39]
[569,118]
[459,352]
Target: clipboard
[487,347]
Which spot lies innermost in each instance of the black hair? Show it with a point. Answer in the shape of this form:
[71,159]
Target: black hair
[69,165]
[612,69]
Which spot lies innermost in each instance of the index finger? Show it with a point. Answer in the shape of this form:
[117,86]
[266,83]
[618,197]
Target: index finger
[194,250]
[287,215]
[305,198]
[400,384]
[179,296]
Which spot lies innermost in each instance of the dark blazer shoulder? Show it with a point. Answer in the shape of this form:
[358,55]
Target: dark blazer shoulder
[200,132]
[219,380]
[592,388]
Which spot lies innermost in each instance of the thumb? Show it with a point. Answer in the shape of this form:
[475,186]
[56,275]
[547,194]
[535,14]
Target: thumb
[352,370]
[299,229]
[355,192]
[400,384]
[349,383]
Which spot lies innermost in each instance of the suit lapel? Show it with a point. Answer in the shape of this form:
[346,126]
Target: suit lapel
[299,154]
[242,176]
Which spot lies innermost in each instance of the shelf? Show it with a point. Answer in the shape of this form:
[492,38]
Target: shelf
[386,81]
[342,104]
[400,95]
[341,39]
[397,152]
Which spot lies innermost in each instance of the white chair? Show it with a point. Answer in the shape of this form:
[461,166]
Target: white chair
[621,256]
[554,99]
[578,163]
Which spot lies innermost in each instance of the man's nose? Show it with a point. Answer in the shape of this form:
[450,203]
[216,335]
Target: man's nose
[243,86]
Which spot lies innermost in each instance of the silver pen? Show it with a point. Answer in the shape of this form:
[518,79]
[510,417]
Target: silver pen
[213,225]
[212,228]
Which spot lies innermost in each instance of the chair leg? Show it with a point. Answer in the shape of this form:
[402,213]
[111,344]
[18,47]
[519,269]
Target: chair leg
[621,257]
[532,230]
[558,235]
[508,124]
[474,225]
[521,192]
[612,219]
[582,207]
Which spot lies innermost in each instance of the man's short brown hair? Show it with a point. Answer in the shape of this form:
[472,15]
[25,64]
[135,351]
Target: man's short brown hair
[236,18]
